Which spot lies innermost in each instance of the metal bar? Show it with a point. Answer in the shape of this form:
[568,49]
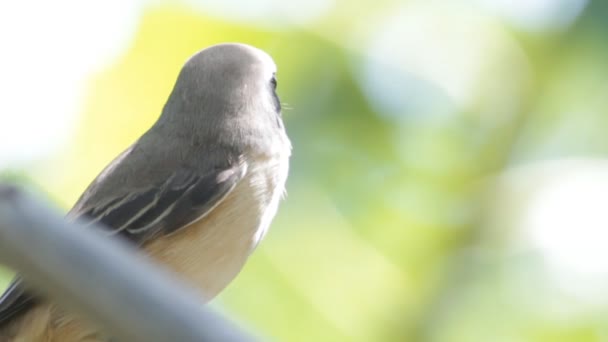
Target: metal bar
[102,278]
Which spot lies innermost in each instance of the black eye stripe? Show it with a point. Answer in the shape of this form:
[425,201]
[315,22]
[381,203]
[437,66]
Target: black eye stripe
[277,102]
[273,81]
[275,97]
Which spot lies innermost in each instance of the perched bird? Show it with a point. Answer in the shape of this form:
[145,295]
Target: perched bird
[196,192]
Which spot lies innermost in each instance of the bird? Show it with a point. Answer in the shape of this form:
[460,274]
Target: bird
[196,192]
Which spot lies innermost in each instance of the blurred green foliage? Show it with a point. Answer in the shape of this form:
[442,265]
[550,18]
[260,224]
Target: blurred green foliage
[384,235]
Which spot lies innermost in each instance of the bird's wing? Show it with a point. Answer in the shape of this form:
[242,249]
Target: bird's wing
[14,300]
[159,209]
[163,208]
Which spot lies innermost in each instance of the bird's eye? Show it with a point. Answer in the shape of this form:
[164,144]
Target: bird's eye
[273,81]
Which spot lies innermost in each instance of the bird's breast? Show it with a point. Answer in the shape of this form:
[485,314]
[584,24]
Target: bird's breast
[210,252]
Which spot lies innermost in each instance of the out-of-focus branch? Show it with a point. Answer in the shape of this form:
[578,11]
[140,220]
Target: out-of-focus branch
[104,279]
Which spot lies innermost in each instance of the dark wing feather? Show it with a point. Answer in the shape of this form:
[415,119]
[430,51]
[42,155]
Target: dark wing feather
[141,215]
[167,207]
[14,300]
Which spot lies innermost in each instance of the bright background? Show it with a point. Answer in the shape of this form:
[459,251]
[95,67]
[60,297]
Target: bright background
[448,180]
